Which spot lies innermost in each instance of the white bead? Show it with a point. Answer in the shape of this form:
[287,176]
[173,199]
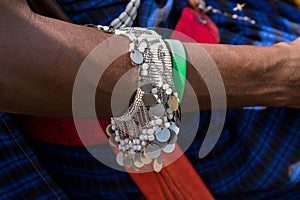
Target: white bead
[155,128]
[141,137]
[154,91]
[123,16]
[115,22]
[235,16]
[131,37]
[127,147]
[175,94]
[150,131]
[131,144]
[137,4]
[122,142]
[160,83]
[167,124]
[120,147]
[170,116]
[174,128]
[144,131]
[145,66]
[155,95]
[123,26]
[165,119]
[134,147]
[133,11]
[165,86]
[118,24]
[158,101]
[117,138]
[169,91]
[127,21]
[113,127]
[144,72]
[144,143]
[159,121]
[138,141]
[129,7]
[143,45]
[169,111]
[145,137]
[139,147]
[151,137]
[153,123]
[117,132]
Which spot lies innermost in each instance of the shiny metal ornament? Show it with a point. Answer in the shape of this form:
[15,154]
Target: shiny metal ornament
[173,103]
[112,141]
[174,128]
[149,99]
[173,137]
[109,130]
[161,144]
[146,87]
[169,148]
[157,166]
[120,158]
[136,57]
[157,110]
[160,159]
[145,159]
[127,161]
[152,151]
[137,162]
[163,135]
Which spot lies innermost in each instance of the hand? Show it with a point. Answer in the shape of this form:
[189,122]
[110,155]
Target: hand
[194,3]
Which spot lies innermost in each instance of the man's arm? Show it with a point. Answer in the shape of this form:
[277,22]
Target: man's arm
[39,59]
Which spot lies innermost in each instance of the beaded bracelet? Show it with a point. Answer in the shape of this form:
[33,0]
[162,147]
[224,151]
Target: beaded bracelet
[150,126]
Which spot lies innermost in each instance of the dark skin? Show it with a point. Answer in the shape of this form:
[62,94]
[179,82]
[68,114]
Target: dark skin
[39,59]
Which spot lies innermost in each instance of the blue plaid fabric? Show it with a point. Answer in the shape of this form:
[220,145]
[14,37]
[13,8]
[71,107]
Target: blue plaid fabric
[21,175]
[257,155]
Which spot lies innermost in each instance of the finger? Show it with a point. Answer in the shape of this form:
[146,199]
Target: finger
[194,3]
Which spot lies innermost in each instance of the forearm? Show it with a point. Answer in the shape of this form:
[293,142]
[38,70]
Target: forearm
[252,75]
[40,58]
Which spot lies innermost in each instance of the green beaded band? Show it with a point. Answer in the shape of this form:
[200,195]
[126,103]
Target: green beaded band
[179,65]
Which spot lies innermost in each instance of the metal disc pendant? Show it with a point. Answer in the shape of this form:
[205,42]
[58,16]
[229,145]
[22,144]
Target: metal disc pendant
[137,162]
[157,110]
[163,135]
[173,103]
[157,166]
[120,158]
[153,151]
[127,161]
[136,57]
[161,144]
[109,130]
[149,99]
[145,159]
[169,148]
[146,87]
